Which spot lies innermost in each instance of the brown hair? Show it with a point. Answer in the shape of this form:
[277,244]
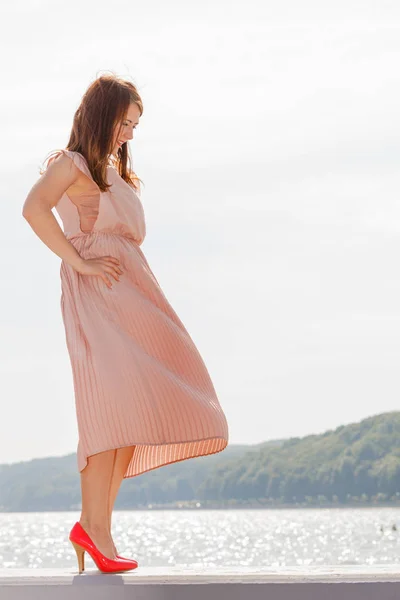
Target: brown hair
[103,105]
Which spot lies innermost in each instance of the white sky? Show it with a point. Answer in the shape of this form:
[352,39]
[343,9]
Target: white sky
[269,147]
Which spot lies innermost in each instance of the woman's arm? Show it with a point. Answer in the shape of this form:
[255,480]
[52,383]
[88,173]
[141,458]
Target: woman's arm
[43,196]
[37,210]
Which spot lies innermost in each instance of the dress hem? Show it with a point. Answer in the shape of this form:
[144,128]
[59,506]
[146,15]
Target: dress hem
[162,444]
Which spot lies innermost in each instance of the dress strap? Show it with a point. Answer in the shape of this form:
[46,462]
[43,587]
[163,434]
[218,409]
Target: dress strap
[79,160]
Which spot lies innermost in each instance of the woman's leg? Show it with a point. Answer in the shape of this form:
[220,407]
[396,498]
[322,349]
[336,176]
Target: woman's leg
[95,486]
[122,460]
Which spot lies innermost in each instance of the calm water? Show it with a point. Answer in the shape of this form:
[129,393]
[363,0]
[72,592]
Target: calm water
[254,538]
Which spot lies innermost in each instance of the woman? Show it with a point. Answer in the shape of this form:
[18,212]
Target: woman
[143,395]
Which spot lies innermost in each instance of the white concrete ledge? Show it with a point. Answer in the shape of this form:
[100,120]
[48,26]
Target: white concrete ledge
[176,583]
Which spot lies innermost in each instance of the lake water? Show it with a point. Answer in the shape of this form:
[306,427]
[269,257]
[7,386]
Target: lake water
[212,538]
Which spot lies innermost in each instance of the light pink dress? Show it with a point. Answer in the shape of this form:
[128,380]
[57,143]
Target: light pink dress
[138,377]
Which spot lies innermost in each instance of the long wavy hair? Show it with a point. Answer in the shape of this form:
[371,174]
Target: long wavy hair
[104,104]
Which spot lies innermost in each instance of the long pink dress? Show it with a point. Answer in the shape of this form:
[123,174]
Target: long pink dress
[138,377]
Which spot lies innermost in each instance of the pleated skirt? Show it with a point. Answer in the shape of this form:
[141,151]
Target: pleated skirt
[138,377]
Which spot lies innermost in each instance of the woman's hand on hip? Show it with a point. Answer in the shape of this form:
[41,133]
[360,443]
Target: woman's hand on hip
[101,267]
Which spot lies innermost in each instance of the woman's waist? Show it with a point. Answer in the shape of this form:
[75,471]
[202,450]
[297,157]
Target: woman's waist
[91,236]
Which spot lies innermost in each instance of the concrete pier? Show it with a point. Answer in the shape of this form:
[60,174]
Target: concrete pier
[169,583]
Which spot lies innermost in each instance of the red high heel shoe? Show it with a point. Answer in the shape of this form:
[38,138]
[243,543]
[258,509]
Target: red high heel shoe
[83,543]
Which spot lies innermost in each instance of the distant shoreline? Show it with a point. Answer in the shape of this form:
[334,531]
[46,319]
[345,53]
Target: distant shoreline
[224,506]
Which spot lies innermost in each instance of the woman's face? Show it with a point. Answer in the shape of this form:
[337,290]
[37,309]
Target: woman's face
[127,126]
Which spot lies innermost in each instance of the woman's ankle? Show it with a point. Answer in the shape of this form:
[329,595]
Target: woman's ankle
[97,525]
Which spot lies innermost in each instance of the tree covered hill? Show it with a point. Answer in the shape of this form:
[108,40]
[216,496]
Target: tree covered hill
[356,462]
[359,462]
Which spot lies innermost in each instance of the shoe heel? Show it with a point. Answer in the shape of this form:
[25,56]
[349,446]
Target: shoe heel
[80,553]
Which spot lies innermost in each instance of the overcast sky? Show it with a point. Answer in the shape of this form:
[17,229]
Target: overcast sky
[269,148]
